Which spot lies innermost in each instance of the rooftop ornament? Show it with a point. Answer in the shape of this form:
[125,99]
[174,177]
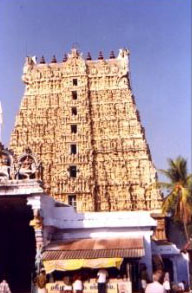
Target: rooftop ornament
[65,58]
[100,57]
[88,56]
[42,60]
[112,55]
[54,60]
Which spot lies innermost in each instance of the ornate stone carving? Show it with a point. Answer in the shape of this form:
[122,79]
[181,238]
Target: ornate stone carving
[6,163]
[28,167]
[113,159]
[37,222]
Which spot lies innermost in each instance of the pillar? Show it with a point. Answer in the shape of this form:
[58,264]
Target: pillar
[37,224]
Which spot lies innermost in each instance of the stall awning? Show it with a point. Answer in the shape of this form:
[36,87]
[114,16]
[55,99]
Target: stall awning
[95,248]
[92,253]
[75,264]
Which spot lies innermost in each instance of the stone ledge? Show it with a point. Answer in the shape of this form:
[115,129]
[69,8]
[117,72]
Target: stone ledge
[20,187]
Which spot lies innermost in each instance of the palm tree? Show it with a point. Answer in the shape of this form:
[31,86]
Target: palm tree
[178,201]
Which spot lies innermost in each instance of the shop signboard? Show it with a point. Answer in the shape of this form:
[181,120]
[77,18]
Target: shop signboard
[57,287]
[91,287]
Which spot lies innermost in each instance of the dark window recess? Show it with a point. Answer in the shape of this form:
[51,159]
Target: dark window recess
[73,149]
[74,128]
[75,82]
[74,95]
[73,171]
[74,111]
[72,200]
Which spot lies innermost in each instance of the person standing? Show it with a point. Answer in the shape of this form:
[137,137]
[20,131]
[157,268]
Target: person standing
[156,286]
[166,283]
[102,279]
[181,286]
[4,287]
[77,284]
[41,281]
[67,284]
[144,278]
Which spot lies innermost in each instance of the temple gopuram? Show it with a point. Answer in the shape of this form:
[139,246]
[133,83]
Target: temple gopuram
[80,118]
[78,188]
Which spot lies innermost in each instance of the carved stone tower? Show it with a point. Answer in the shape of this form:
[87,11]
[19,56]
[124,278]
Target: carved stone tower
[79,116]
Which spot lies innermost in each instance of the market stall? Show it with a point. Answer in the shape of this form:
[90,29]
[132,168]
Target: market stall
[93,254]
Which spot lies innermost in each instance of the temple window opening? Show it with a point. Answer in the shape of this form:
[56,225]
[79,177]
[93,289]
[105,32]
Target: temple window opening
[74,128]
[74,111]
[75,82]
[73,171]
[73,149]
[74,95]
[72,201]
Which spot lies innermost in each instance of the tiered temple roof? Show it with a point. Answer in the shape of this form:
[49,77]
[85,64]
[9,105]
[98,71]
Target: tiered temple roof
[79,116]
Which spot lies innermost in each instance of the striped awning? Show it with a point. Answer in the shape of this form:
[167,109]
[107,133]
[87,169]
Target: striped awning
[95,248]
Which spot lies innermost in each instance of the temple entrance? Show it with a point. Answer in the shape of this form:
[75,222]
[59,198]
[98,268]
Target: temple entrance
[17,244]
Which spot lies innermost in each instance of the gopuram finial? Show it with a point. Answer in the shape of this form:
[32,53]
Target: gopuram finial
[42,60]
[54,60]
[100,57]
[112,55]
[88,56]
[65,57]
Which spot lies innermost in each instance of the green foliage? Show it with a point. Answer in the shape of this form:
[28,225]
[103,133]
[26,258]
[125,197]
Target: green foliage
[178,201]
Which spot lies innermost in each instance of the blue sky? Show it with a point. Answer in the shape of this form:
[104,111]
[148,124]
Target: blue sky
[157,32]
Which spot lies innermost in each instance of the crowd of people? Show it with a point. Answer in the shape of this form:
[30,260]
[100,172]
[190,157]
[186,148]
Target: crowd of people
[161,284]
[74,284]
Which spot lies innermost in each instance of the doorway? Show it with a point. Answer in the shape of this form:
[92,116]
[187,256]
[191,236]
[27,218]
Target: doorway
[17,244]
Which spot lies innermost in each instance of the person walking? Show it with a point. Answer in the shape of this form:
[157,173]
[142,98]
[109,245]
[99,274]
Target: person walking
[156,286]
[4,287]
[102,279]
